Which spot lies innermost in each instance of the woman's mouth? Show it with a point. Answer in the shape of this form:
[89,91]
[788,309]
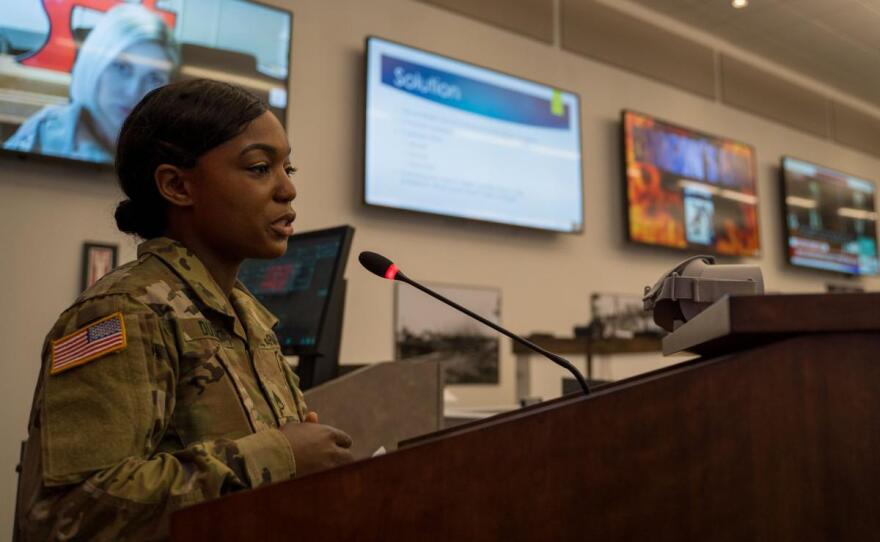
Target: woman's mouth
[284,225]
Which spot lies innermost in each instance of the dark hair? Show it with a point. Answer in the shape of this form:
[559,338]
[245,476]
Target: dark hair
[174,124]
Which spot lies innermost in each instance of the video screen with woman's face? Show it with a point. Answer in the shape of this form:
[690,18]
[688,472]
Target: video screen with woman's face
[72,70]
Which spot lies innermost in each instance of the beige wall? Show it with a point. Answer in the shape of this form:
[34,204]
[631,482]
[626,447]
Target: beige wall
[48,210]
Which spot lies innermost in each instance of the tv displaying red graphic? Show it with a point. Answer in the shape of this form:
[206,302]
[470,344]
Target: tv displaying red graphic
[689,190]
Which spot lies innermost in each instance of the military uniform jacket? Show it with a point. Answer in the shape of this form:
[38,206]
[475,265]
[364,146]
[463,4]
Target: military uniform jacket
[183,406]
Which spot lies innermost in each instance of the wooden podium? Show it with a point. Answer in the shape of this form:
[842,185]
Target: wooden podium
[775,435]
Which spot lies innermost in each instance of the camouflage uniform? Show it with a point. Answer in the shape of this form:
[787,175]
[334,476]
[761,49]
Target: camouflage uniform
[189,410]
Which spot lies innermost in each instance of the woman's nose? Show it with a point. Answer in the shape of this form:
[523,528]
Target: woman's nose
[286,191]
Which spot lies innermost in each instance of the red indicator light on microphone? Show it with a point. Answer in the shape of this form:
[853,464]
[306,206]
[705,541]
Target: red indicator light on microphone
[391,272]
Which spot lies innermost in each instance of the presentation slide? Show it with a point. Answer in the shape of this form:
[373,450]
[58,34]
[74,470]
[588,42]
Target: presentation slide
[450,138]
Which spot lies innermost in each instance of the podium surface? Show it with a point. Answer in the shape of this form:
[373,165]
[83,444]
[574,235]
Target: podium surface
[735,323]
[777,441]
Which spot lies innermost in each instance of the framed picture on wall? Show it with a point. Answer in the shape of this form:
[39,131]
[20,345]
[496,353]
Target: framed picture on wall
[426,329]
[621,316]
[98,260]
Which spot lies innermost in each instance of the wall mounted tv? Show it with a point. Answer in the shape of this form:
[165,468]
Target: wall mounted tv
[689,190]
[72,70]
[450,138]
[830,219]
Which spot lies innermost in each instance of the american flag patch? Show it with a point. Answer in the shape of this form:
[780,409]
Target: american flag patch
[88,343]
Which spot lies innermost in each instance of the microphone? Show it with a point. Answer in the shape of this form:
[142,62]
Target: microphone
[385,268]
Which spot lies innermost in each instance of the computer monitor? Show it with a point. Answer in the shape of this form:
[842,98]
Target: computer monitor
[305,289]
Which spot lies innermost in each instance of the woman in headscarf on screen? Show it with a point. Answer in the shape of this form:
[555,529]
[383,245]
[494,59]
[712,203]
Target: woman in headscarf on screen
[128,53]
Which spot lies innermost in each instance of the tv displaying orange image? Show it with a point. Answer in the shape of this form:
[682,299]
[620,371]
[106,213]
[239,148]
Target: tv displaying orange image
[688,190]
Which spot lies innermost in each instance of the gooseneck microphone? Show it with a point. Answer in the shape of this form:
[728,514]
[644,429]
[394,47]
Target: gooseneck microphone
[385,268]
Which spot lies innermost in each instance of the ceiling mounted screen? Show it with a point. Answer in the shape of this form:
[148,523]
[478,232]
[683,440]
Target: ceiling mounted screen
[450,138]
[689,190]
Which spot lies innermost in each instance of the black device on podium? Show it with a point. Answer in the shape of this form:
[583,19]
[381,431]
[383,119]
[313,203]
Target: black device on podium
[305,289]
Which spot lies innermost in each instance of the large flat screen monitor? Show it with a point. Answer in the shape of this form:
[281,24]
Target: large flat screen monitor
[72,70]
[689,190]
[830,218]
[451,138]
[305,290]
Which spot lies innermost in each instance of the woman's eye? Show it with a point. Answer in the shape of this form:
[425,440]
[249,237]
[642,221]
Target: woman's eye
[157,79]
[122,68]
[260,169]
[290,170]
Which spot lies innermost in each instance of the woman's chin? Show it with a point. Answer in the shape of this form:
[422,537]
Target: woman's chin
[265,251]
[275,250]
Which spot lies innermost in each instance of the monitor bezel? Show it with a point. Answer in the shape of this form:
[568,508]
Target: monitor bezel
[625,186]
[786,237]
[62,160]
[413,212]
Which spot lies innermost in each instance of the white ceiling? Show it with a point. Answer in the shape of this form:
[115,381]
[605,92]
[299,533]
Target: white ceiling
[834,41]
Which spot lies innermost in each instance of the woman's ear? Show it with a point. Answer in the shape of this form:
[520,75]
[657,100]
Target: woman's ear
[172,184]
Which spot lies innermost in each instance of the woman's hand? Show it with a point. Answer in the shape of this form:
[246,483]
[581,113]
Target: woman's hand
[317,447]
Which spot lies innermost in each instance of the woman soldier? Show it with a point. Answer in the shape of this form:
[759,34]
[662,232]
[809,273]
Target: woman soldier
[163,385]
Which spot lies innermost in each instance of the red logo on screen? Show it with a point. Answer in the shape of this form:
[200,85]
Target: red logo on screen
[276,278]
[59,50]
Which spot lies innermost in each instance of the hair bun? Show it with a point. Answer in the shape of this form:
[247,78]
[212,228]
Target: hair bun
[146,223]
[126,216]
